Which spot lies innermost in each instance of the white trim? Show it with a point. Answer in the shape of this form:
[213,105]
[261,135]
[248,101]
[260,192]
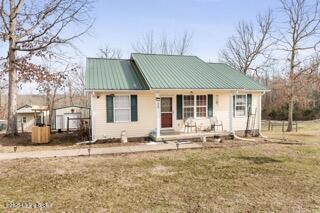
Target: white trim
[260,111]
[172,113]
[183,117]
[246,106]
[176,89]
[158,114]
[93,120]
[237,90]
[122,108]
[195,105]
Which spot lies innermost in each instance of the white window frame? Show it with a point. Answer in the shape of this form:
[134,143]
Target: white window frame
[201,106]
[245,106]
[195,106]
[24,119]
[123,108]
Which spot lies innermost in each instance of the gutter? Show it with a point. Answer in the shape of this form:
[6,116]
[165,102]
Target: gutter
[174,89]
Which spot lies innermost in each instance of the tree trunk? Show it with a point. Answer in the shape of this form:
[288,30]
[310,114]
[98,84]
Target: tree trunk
[290,114]
[12,97]
[291,83]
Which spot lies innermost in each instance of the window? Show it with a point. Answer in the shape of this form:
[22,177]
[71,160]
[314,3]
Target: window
[188,106]
[38,119]
[122,108]
[201,106]
[194,106]
[241,105]
[24,119]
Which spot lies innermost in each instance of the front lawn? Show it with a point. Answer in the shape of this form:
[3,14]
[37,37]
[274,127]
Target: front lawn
[277,176]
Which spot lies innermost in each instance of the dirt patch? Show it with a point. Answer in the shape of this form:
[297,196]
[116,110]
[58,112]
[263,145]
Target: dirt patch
[59,141]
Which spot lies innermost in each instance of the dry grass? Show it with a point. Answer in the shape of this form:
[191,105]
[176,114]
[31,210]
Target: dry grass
[281,176]
[266,177]
[58,141]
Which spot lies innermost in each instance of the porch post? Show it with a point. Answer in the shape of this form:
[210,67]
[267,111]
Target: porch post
[158,124]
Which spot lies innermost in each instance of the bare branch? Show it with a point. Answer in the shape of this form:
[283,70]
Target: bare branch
[248,46]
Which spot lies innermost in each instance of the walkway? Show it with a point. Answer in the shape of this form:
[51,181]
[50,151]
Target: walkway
[97,151]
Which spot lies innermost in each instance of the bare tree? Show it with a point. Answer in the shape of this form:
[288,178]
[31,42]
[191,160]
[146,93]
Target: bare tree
[248,50]
[299,39]
[76,87]
[163,45]
[30,28]
[51,87]
[108,52]
[79,86]
[182,45]
[146,45]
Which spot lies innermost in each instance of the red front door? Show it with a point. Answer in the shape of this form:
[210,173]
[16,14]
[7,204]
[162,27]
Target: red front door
[166,112]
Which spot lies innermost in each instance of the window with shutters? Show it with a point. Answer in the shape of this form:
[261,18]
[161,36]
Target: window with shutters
[241,105]
[121,108]
[194,106]
[201,106]
[188,106]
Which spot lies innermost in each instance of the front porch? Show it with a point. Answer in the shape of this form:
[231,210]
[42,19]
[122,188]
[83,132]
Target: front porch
[176,135]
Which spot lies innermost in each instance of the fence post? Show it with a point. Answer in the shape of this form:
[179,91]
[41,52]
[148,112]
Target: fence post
[269,125]
[22,127]
[296,126]
[282,126]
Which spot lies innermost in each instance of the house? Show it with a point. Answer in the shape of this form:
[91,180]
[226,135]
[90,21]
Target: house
[28,116]
[151,95]
[74,113]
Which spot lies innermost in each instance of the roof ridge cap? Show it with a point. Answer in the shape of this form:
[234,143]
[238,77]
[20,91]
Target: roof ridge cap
[160,54]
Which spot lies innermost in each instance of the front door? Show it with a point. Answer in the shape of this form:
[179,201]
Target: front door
[166,112]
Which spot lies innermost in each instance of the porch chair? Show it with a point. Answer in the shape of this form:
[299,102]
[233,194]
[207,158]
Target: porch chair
[215,123]
[190,123]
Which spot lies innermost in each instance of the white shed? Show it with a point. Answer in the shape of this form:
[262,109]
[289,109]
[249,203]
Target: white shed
[74,113]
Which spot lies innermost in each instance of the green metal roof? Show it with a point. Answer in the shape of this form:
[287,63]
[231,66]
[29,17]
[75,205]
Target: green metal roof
[242,80]
[112,74]
[179,72]
[153,71]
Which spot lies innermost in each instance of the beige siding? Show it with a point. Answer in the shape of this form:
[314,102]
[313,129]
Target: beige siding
[146,123]
[27,126]
[146,118]
[241,122]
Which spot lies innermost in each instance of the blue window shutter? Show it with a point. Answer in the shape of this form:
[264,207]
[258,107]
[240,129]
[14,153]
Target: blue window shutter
[179,107]
[110,117]
[234,106]
[249,103]
[210,106]
[134,108]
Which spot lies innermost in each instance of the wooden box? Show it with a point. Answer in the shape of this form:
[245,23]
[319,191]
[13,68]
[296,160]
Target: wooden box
[40,134]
